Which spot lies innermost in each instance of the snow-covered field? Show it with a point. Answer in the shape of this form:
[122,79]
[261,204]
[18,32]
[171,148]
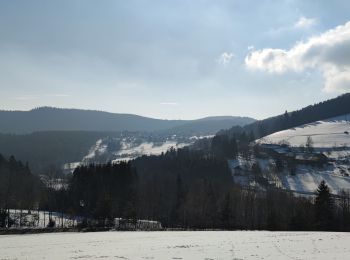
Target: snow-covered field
[190,245]
[333,132]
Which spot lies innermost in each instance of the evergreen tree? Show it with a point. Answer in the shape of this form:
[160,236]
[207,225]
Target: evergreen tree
[285,120]
[324,207]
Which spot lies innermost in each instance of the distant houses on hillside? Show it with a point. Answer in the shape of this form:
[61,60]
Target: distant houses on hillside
[288,153]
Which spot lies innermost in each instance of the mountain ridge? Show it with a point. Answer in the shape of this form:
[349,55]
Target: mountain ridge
[70,119]
[323,110]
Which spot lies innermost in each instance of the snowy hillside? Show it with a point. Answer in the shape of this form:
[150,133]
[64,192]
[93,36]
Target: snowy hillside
[333,132]
[130,146]
[303,169]
[307,180]
[304,180]
[129,152]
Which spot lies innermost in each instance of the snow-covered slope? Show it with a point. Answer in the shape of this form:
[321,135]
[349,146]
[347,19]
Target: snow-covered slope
[307,179]
[129,152]
[333,132]
[330,137]
[128,148]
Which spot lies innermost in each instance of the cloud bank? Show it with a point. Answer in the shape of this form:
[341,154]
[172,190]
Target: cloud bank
[328,52]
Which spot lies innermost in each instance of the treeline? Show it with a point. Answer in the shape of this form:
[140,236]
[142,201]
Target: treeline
[19,189]
[191,190]
[103,191]
[181,189]
[150,187]
[227,146]
[324,110]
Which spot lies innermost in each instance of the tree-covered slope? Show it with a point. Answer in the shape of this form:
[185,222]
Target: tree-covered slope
[323,110]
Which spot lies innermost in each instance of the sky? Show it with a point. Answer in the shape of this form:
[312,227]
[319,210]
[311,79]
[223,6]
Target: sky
[174,59]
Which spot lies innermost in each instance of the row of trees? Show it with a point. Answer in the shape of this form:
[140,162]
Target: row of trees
[230,146]
[181,189]
[19,189]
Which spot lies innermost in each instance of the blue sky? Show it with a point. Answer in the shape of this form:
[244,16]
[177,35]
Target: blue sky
[174,59]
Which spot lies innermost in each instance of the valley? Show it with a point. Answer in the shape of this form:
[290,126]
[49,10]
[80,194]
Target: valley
[174,130]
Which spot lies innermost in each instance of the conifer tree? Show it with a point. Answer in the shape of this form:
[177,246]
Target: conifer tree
[324,207]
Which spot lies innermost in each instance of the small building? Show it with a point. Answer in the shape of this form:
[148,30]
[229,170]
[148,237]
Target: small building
[148,225]
[131,224]
[291,153]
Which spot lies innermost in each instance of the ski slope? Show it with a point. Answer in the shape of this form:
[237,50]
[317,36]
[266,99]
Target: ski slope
[329,133]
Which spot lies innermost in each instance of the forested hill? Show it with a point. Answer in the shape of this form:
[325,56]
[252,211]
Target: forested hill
[323,110]
[42,149]
[55,119]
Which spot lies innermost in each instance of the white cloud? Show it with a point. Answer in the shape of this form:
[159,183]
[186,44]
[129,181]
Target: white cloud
[302,23]
[305,23]
[328,52]
[225,58]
